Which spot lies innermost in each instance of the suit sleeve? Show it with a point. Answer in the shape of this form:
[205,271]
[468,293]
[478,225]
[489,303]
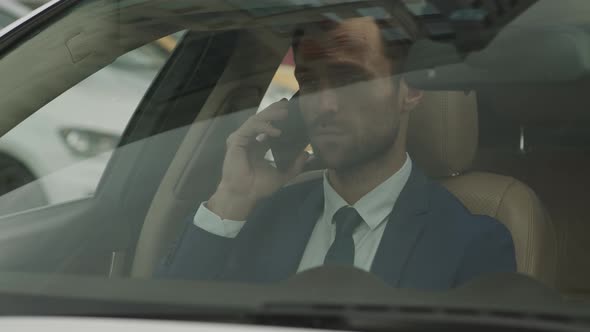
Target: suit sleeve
[202,251]
[490,252]
[196,254]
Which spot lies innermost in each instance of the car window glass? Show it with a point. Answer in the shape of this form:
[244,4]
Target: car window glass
[430,156]
[5,19]
[59,153]
[148,57]
[359,103]
[283,84]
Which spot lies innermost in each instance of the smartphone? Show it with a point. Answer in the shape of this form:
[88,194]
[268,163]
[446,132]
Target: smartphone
[293,139]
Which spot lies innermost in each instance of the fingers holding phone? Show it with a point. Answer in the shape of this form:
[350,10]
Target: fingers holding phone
[247,176]
[259,124]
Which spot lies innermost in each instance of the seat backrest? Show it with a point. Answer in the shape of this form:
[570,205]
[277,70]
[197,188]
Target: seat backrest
[442,140]
[559,176]
[518,207]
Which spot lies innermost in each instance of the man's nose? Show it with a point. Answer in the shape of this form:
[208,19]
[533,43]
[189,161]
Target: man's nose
[328,101]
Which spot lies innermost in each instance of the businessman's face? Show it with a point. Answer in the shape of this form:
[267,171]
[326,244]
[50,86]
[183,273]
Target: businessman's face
[349,100]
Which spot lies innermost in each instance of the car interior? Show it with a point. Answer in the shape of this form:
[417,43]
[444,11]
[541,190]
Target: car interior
[513,147]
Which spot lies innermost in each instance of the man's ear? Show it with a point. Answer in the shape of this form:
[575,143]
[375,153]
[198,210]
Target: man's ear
[412,96]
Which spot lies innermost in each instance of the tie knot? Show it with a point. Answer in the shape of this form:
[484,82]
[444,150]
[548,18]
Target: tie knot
[347,219]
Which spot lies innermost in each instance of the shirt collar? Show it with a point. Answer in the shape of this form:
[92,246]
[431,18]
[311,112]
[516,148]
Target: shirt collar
[376,205]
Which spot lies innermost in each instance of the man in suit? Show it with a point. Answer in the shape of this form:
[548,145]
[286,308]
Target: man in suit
[372,209]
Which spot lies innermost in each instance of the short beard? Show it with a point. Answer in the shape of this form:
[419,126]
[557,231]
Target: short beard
[364,154]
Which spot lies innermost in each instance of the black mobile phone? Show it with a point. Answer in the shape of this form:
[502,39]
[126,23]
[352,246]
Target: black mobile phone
[293,139]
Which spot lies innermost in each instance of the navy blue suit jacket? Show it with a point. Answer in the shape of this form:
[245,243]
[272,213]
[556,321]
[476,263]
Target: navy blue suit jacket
[430,242]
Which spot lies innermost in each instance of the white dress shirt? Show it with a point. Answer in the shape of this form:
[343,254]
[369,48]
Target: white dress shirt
[374,208]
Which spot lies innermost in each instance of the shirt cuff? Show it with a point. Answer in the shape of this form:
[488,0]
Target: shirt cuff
[212,223]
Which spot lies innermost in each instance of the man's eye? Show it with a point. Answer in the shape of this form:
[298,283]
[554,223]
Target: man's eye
[308,84]
[358,78]
[346,80]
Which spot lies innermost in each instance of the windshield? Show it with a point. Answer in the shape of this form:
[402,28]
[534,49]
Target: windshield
[393,153]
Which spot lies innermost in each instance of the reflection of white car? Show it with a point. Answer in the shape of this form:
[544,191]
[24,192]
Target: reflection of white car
[78,129]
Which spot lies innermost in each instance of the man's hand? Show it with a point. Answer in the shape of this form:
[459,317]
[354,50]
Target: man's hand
[246,176]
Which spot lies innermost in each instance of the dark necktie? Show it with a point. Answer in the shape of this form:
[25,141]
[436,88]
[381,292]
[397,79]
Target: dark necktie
[341,251]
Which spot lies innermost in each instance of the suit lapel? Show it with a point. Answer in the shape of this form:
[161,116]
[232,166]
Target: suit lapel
[403,230]
[289,238]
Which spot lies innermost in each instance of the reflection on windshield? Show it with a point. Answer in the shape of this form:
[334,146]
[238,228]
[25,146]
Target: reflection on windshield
[353,108]
[305,156]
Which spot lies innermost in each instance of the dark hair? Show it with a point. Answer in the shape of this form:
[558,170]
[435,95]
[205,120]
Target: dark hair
[398,33]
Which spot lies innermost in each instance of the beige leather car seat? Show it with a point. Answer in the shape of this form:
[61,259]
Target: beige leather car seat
[561,180]
[442,141]
[556,168]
